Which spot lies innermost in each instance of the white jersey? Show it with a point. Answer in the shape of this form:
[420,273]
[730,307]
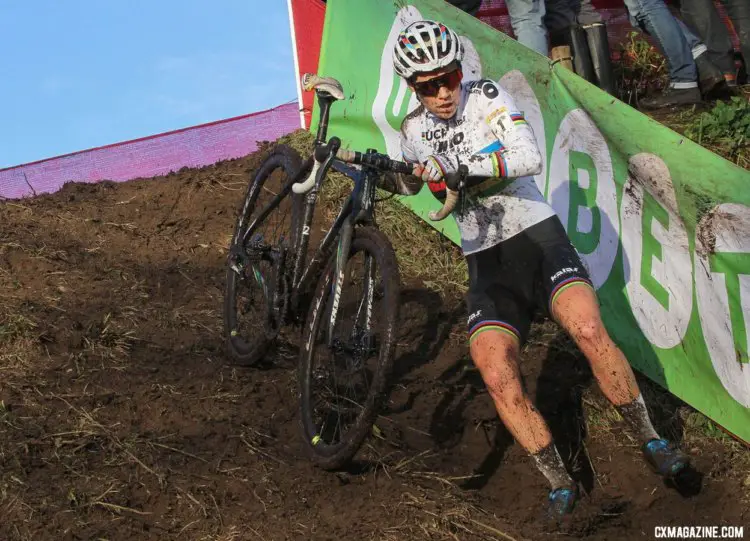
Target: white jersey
[491,137]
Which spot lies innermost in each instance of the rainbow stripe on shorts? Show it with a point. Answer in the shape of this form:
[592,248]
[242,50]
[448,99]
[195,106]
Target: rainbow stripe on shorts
[493,325]
[565,284]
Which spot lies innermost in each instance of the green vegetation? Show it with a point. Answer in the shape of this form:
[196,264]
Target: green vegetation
[725,129]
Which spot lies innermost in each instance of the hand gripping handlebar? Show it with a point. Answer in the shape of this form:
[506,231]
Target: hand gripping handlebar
[454,183]
[332,150]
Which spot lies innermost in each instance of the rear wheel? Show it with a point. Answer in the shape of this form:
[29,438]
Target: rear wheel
[345,366]
[256,286]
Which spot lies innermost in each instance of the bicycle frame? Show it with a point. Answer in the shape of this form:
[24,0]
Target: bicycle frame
[358,209]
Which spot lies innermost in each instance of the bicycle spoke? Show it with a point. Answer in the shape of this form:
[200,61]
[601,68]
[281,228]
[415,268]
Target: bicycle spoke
[347,374]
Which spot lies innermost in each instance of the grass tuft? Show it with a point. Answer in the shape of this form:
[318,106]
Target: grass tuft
[725,129]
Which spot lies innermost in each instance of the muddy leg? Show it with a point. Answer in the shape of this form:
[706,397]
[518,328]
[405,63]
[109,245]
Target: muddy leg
[496,353]
[577,311]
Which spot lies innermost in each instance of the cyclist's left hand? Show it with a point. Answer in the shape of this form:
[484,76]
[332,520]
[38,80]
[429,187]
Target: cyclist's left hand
[435,167]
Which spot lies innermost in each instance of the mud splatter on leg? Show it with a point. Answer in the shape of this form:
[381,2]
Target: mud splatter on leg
[549,462]
[637,418]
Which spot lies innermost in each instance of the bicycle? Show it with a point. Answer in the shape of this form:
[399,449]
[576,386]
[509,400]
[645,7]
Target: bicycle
[343,376]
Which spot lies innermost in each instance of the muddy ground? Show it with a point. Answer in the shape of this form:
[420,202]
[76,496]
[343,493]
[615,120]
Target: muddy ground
[121,418]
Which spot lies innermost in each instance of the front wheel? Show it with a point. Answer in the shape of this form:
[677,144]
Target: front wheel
[347,350]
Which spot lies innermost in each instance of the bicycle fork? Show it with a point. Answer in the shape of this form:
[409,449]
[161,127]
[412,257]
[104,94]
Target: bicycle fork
[362,198]
[342,256]
[360,332]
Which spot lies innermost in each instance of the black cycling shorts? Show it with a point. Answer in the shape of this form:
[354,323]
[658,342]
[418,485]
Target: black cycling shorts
[511,280]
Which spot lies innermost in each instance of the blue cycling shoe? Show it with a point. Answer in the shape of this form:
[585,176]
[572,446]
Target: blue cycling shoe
[665,458]
[561,502]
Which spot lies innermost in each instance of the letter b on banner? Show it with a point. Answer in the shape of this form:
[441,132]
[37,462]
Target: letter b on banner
[582,192]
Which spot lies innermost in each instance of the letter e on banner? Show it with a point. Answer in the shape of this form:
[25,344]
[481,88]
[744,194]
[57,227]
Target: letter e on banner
[656,253]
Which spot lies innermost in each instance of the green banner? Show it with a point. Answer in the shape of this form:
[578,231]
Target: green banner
[662,223]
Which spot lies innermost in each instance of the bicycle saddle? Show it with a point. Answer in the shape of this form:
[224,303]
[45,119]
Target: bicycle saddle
[311,81]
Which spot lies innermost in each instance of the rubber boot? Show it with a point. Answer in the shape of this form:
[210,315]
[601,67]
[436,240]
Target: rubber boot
[710,78]
[596,35]
[581,55]
[740,69]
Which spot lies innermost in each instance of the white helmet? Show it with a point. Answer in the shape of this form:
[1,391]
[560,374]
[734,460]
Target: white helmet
[425,46]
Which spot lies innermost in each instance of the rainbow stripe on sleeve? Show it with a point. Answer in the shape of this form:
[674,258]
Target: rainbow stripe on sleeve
[518,119]
[499,167]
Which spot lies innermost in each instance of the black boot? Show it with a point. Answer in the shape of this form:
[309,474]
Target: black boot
[596,35]
[581,54]
[710,78]
[741,65]
[672,97]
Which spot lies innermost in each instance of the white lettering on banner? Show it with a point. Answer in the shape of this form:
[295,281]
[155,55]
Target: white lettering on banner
[578,133]
[722,285]
[699,532]
[517,86]
[656,255]
[471,65]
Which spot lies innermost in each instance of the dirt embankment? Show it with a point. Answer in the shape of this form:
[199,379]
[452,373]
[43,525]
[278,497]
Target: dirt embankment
[121,419]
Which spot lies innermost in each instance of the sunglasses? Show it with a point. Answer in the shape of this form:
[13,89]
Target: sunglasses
[432,87]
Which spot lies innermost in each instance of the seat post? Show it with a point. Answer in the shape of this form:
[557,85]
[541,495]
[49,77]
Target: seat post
[324,102]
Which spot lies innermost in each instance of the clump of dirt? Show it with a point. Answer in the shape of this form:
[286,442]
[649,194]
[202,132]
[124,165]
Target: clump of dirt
[120,417]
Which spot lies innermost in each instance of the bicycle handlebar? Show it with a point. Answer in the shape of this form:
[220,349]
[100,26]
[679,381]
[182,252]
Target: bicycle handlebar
[330,151]
[307,185]
[373,159]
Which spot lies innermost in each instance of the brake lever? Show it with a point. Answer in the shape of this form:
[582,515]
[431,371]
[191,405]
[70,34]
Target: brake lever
[454,189]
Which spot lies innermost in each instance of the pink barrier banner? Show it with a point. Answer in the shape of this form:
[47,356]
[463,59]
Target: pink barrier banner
[155,155]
